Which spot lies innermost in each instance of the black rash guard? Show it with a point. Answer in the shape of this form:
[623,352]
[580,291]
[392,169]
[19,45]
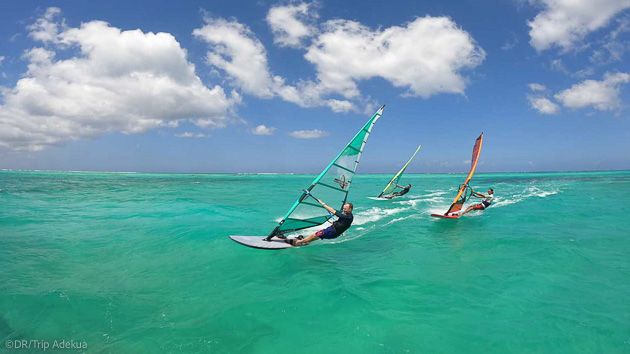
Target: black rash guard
[343,222]
[403,192]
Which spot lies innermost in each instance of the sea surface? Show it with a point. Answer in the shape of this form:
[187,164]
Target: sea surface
[142,263]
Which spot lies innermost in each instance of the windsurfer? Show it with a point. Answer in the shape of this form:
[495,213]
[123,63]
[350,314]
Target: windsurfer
[404,191]
[486,202]
[343,222]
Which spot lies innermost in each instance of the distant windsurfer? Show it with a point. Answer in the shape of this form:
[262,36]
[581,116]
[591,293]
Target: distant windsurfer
[404,191]
[486,202]
[343,222]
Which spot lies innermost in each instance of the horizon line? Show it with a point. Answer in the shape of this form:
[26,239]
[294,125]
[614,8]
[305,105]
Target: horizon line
[305,173]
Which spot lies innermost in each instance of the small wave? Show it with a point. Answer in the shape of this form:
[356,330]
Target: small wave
[375,214]
[398,219]
[528,193]
[435,194]
[350,236]
[410,202]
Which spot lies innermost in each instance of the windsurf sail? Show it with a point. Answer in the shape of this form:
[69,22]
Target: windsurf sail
[392,184]
[464,192]
[331,186]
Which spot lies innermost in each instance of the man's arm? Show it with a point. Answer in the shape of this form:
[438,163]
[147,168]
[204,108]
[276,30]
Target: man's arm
[330,210]
[399,186]
[479,195]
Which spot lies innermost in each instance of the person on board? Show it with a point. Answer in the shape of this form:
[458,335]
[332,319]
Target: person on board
[404,191]
[339,226]
[487,200]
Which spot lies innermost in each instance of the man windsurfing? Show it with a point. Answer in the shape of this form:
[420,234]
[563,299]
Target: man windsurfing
[339,226]
[404,191]
[486,202]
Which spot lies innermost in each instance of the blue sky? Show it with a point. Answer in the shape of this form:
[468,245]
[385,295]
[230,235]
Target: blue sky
[273,86]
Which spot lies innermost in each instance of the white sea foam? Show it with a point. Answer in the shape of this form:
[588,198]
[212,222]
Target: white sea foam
[398,219]
[435,194]
[529,192]
[375,214]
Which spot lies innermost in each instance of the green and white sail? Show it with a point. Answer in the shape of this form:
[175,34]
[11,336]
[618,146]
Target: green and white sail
[331,186]
[391,186]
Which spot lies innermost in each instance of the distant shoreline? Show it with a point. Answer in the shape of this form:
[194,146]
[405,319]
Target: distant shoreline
[313,173]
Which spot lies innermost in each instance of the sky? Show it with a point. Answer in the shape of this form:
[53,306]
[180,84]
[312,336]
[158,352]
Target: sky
[268,86]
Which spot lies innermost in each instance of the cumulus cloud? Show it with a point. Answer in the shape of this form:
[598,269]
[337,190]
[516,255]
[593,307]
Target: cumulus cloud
[235,49]
[120,81]
[601,95]
[564,23]
[263,130]
[345,53]
[46,28]
[291,24]
[1,59]
[537,87]
[425,56]
[309,134]
[191,135]
[543,105]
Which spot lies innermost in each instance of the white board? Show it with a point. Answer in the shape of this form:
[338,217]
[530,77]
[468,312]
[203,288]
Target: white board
[260,243]
[376,198]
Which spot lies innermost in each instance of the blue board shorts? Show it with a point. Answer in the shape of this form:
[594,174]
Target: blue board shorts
[327,233]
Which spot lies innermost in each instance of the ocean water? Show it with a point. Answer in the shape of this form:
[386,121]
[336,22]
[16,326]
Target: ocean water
[142,263]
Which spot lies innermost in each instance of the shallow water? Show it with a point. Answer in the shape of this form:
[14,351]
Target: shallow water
[142,263]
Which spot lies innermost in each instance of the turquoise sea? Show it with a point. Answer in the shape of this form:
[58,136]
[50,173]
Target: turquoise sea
[142,263]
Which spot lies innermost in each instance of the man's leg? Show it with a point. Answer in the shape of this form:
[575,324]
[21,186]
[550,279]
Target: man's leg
[310,238]
[467,210]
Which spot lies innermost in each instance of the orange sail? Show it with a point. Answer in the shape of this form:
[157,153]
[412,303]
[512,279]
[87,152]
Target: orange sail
[461,197]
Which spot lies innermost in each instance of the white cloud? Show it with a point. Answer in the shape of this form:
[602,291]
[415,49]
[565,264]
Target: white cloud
[292,23]
[537,87]
[612,48]
[558,65]
[445,164]
[347,52]
[580,74]
[263,130]
[309,94]
[309,134]
[543,105]
[602,95]
[191,135]
[1,59]
[122,81]
[45,28]
[236,50]
[564,23]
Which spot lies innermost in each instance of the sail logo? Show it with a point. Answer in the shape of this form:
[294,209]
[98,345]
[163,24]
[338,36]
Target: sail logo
[342,182]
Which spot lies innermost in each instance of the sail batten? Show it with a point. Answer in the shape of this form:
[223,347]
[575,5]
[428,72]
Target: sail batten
[391,186]
[335,181]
